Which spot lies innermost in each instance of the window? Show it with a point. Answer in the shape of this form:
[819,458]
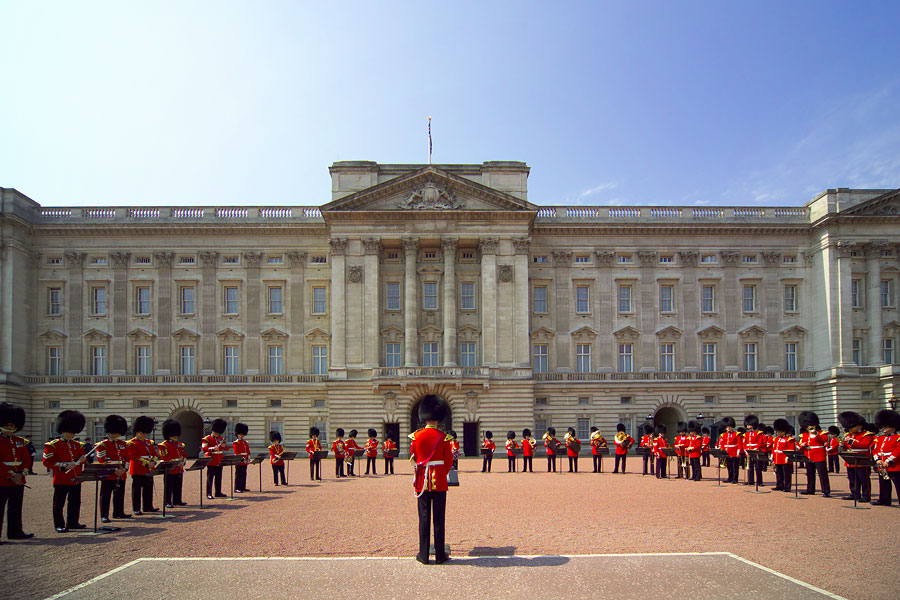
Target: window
[98,260]
[582,294]
[53,404]
[274,402]
[319,260]
[667,356]
[708,357]
[275,359]
[186,260]
[231,300]
[467,295]
[748,259]
[584,401]
[232,259]
[319,404]
[751,398]
[539,259]
[666,298]
[666,259]
[275,260]
[624,399]
[708,299]
[187,299]
[430,295]
[186,360]
[626,358]
[790,298]
[392,255]
[232,360]
[750,356]
[583,358]
[142,260]
[54,360]
[540,401]
[392,296]
[749,298]
[142,403]
[789,259]
[392,355]
[541,354]
[466,256]
[430,354]
[790,356]
[429,255]
[857,351]
[142,300]
[54,260]
[99,430]
[319,304]
[624,259]
[582,259]
[320,360]
[279,427]
[708,258]
[98,360]
[231,403]
[582,428]
[540,424]
[142,360]
[709,399]
[54,301]
[887,352]
[540,298]
[855,300]
[792,397]
[467,354]
[624,298]
[98,301]
[887,292]
[275,300]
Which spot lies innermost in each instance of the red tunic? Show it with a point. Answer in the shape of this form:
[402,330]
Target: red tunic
[623,446]
[832,446]
[887,450]
[706,441]
[172,451]
[510,444]
[658,444]
[693,446]
[371,448]
[646,441]
[859,443]
[551,443]
[242,448]
[14,458]
[111,452]
[337,447]
[730,442]
[489,445]
[813,445]
[313,445]
[528,447]
[597,443]
[143,456]
[61,451]
[213,445]
[430,449]
[454,447]
[275,450]
[780,444]
[679,445]
[573,445]
[388,445]
[350,445]
[753,440]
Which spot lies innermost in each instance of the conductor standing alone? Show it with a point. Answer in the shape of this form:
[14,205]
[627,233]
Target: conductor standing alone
[431,451]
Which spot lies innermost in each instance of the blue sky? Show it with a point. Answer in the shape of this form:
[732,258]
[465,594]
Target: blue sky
[661,103]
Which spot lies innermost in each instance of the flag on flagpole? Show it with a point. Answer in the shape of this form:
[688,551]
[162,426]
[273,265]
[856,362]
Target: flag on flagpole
[429,140]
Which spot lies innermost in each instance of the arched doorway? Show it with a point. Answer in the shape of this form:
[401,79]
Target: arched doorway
[191,431]
[669,416]
[414,423]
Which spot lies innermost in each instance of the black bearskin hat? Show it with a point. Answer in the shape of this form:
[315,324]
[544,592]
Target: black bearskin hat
[791,430]
[648,429]
[693,426]
[728,422]
[781,425]
[887,418]
[433,408]
[219,425]
[489,434]
[551,430]
[170,428]
[593,429]
[274,436]
[620,427]
[453,433]
[115,424]
[241,429]
[751,421]
[769,430]
[353,433]
[705,431]
[742,430]
[313,431]
[372,432]
[525,433]
[70,421]
[833,430]
[871,427]
[143,424]
[849,419]
[807,418]
[681,426]
[660,430]
[339,432]
[510,435]
[12,414]
[571,430]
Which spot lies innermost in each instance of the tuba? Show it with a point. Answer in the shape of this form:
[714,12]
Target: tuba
[620,437]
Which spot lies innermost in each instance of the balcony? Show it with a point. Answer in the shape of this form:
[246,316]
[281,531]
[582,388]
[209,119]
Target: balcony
[676,376]
[780,215]
[171,379]
[430,372]
[179,215]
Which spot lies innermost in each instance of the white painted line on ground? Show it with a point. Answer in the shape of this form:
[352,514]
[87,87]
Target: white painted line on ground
[788,577]
[95,579]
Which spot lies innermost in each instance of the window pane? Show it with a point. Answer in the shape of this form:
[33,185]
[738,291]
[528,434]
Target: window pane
[750,357]
[231,300]
[98,301]
[275,300]
[749,298]
[430,295]
[54,301]
[790,298]
[467,296]
[540,299]
[624,298]
[790,356]
[187,300]
[709,357]
[276,360]
[54,361]
[666,293]
[430,354]
[319,306]
[708,303]
[142,298]
[320,360]
[581,299]
[186,360]
[667,357]
[392,355]
[541,352]
[467,354]
[626,363]
[232,360]
[583,358]
[392,296]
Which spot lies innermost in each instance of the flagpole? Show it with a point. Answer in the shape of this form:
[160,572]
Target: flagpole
[429,140]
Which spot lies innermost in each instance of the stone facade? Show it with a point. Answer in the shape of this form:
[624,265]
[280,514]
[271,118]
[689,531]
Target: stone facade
[446,279]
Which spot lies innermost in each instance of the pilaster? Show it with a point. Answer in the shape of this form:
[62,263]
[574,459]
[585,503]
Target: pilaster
[207,358]
[410,303]
[120,307]
[338,360]
[252,318]
[488,248]
[372,301]
[164,313]
[449,247]
[74,312]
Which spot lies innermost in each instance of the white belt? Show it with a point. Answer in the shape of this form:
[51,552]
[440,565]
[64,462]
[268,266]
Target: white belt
[428,465]
[11,464]
[815,447]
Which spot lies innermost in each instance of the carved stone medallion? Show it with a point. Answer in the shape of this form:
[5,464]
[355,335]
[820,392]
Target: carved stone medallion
[430,196]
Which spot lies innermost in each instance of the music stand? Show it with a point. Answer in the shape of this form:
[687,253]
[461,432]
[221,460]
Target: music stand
[453,478]
[721,455]
[560,450]
[797,458]
[258,460]
[642,451]
[288,456]
[229,460]
[163,468]
[199,465]
[761,459]
[668,453]
[857,460]
[356,453]
[517,451]
[391,453]
[95,472]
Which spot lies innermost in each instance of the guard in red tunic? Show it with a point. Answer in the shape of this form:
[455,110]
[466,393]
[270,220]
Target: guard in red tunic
[488,444]
[214,446]
[389,444]
[430,451]
[111,451]
[550,443]
[707,440]
[859,441]
[782,442]
[275,452]
[597,442]
[454,445]
[371,452]
[832,447]
[511,445]
[350,448]
[887,455]
[337,447]
[313,445]
[623,442]
[646,442]
[693,449]
[241,448]
[753,440]
[680,455]
[812,443]
[573,447]
[171,450]
[659,444]
[143,454]
[65,457]
[730,442]
[15,460]
[528,445]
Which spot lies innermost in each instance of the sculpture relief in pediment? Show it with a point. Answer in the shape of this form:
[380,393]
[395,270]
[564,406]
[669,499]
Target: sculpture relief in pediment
[430,196]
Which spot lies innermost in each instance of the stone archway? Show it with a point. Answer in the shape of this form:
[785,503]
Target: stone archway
[191,431]
[669,416]
[415,424]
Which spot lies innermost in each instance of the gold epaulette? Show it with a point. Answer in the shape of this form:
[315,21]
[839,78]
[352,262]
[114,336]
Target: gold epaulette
[25,439]
[412,436]
[52,442]
[448,437]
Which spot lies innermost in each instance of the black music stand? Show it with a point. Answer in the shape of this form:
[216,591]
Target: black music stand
[721,455]
[199,465]
[797,458]
[857,460]
[642,451]
[668,453]
[95,472]
[601,452]
[229,460]
[163,468]
[258,460]
[357,452]
[560,450]
[757,457]
[391,453]
[517,451]
[288,456]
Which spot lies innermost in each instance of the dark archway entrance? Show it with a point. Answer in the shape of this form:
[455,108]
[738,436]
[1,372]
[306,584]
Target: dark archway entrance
[668,416]
[446,425]
[191,432]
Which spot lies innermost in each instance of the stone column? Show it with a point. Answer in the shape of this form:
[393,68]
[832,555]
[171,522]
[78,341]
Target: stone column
[75,312]
[772,302]
[449,246]
[606,295]
[372,302]
[118,352]
[252,318]
[208,313]
[690,309]
[295,358]
[648,315]
[410,303]
[164,312]
[873,302]
[522,329]
[488,248]
[732,307]
[845,318]
[338,305]
[562,261]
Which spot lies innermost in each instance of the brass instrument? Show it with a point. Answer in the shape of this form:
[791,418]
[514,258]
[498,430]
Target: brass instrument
[882,470]
[546,436]
[620,437]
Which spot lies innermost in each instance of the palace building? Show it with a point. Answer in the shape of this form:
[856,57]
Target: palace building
[445,278]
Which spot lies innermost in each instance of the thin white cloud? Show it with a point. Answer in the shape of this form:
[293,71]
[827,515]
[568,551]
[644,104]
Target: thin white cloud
[610,185]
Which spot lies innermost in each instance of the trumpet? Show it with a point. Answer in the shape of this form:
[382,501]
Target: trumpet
[882,470]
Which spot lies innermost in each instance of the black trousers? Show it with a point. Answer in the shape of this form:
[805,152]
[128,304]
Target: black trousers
[681,465]
[11,499]
[755,471]
[705,458]
[511,464]
[388,464]
[173,488]
[860,484]
[884,488]
[432,506]
[661,467]
[63,494]
[551,463]
[834,463]
[339,466]
[822,469]
[598,463]
[350,464]
[370,462]
[573,464]
[240,477]
[486,463]
[114,490]
[695,469]
[733,464]
[142,492]
[527,464]
[783,474]
[278,470]
[315,465]
[648,464]
[620,458]
[214,475]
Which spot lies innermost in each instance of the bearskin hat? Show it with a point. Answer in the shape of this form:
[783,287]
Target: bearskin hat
[313,432]
[510,435]
[593,429]
[833,430]
[143,424]
[489,434]
[871,427]
[791,430]
[807,418]
[70,421]
[849,419]
[372,432]
[571,430]
[769,430]
[681,426]
[219,425]
[693,426]
[751,421]
[660,430]
[781,425]
[241,429]
[620,427]
[274,436]
[432,408]
[887,418]
[551,430]
[12,414]
[525,433]
[339,432]
[115,424]
[171,428]
[705,431]
[353,433]
[728,421]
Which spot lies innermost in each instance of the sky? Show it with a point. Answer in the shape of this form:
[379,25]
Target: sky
[762,103]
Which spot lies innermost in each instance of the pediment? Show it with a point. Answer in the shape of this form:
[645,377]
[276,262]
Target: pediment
[430,329]
[793,331]
[229,333]
[273,333]
[185,334]
[139,333]
[670,332]
[752,331]
[391,330]
[584,332]
[892,326]
[318,334]
[468,334]
[428,189]
[886,205]
[627,333]
[711,332]
[542,333]
[53,335]
[96,334]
